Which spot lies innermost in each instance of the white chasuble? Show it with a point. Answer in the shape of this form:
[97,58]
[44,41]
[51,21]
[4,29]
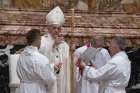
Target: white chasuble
[60,53]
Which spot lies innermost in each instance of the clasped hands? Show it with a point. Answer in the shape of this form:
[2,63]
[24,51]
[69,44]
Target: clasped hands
[82,64]
[57,66]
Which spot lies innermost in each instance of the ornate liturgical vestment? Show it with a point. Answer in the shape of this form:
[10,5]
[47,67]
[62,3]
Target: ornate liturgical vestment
[57,54]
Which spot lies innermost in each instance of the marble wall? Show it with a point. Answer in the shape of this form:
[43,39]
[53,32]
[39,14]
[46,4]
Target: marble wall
[14,24]
[85,5]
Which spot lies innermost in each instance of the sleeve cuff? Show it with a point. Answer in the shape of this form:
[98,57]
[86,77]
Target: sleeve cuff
[52,67]
[86,71]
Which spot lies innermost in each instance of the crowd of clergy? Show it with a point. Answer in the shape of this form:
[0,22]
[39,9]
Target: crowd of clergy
[44,66]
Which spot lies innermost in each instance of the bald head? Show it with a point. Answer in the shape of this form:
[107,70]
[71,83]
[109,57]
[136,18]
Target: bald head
[97,41]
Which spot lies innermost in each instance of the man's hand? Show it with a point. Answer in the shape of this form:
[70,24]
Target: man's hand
[57,66]
[82,65]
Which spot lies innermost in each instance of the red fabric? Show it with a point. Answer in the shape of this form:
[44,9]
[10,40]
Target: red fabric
[78,65]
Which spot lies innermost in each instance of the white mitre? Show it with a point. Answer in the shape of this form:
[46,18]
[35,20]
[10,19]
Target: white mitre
[55,17]
[81,5]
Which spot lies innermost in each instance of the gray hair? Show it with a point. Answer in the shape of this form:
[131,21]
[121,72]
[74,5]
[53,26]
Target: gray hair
[121,42]
[94,39]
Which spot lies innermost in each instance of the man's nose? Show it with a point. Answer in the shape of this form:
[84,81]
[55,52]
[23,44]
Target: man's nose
[56,30]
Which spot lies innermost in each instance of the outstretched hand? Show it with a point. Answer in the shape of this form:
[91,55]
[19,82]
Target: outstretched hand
[80,64]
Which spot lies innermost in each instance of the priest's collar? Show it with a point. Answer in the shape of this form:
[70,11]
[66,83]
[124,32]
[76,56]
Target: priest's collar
[119,53]
[32,48]
[29,50]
